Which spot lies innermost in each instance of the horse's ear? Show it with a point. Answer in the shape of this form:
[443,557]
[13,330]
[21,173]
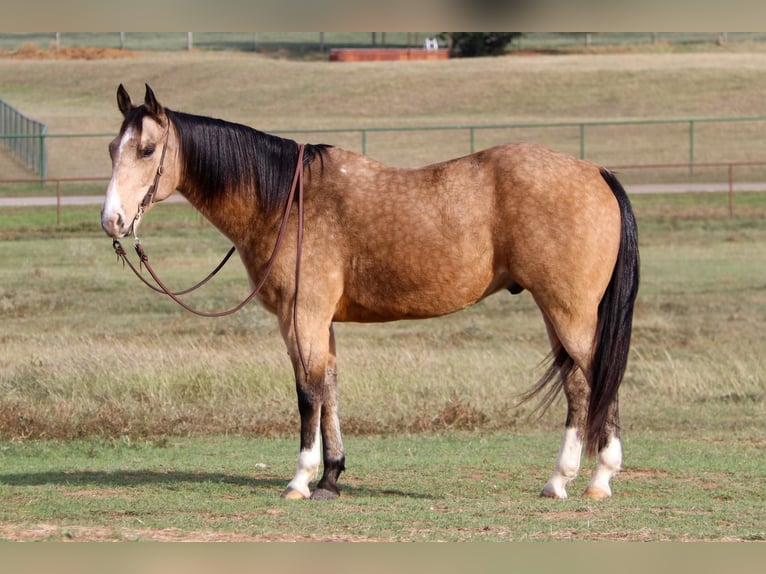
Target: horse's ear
[151,103]
[123,100]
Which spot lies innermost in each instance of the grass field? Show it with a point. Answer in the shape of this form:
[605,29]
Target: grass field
[123,417]
[158,404]
[469,487]
[277,95]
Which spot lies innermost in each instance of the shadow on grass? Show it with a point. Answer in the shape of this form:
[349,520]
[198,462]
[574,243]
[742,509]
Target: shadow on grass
[117,479]
[129,478]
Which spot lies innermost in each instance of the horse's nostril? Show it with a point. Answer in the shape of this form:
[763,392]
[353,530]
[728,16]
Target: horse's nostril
[113,224]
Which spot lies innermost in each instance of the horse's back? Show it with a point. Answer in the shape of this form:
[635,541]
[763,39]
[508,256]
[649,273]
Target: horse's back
[430,241]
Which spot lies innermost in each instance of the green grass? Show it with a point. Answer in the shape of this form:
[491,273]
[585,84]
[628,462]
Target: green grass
[29,222]
[171,417]
[470,487]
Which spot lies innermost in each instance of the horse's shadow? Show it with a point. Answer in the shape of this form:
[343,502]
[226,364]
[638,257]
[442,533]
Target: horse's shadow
[129,478]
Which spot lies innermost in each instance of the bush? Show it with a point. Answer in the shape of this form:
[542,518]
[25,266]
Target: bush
[475,44]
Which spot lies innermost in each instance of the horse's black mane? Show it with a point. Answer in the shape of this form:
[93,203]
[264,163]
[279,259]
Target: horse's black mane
[221,157]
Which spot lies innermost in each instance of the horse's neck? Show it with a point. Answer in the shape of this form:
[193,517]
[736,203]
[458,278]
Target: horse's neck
[239,218]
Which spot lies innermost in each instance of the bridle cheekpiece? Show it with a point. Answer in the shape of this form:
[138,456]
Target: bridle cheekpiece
[152,192]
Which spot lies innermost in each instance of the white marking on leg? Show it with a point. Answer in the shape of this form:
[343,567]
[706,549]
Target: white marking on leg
[609,463]
[567,464]
[336,426]
[336,429]
[308,467]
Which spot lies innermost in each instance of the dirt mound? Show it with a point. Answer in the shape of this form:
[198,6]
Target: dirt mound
[32,52]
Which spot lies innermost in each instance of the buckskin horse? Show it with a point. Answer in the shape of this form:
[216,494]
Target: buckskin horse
[363,242]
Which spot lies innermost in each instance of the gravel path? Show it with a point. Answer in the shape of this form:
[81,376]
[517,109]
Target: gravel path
[651,188]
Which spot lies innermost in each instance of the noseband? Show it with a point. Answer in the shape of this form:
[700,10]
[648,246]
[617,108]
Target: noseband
[174,295]
[152,192]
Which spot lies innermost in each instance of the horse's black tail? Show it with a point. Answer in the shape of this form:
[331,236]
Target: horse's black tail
[615,322]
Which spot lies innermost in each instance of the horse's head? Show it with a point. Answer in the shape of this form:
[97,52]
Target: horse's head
[143,151]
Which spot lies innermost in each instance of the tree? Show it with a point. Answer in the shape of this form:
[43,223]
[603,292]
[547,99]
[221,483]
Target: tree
[474,44]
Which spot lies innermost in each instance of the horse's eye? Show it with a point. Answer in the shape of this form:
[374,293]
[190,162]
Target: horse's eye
[147,151]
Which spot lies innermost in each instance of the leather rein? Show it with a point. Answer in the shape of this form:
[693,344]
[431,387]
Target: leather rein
[161,287]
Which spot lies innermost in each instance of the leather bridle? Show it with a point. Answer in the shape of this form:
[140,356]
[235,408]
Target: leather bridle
[174,295]
[152,191]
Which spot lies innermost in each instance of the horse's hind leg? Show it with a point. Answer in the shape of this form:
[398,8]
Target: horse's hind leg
[577,339]
[568,460]
[609,457]
[570,453]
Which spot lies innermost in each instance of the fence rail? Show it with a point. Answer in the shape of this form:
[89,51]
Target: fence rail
[729,187]
[581,125]
[322,41]
[29,141]
[24,137]
[730,167]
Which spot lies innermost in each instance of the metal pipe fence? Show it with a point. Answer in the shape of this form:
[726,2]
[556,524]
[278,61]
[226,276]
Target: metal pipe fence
[42,200]
[582,127]
[24,138]
[730,183]
[322,41]
[30,142]
[730,186]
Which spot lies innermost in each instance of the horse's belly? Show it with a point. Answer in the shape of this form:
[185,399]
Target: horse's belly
[349,310]
[394,296]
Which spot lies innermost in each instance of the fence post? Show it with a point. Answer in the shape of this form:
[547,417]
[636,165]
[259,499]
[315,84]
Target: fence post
[43,159]
[731,190]
[473,138]
[691,147]
[28,142]
[582,141]
[58,202]
[364,142]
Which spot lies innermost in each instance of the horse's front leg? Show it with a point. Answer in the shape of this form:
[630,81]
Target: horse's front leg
[332,445]
[318,406]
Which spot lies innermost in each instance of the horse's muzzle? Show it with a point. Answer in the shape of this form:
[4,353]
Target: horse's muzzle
[113,224]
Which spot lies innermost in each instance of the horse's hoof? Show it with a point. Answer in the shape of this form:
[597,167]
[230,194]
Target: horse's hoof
[550,492]
[595,493]
[292,494]
[324,494]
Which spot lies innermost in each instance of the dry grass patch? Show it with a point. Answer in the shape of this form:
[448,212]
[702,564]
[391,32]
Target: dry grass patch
[33,52]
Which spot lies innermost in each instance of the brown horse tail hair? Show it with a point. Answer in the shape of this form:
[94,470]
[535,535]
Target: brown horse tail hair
[615,323]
